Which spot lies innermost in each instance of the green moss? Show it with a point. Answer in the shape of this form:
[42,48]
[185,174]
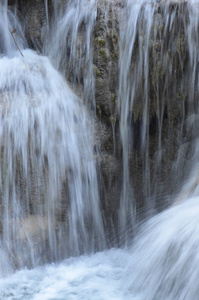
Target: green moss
[113,35]
[97,72]
[179,42]
[113,119]
[99,110]
[157,73]
[136,113]
[100,42]
[114,55]
[182,95]
[113,97]
[103,54]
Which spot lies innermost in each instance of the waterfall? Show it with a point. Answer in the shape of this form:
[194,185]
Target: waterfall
[54,226]
[49,192]
[158,91]
[165,255]
[159,46]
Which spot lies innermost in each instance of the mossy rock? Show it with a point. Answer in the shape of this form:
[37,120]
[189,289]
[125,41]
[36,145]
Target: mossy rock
[97,72]
[104,54]
[100,42]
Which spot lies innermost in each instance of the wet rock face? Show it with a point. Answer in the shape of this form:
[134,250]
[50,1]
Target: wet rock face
[169,103]
[106,59]
[33,17]
[106,72]
[169,108]
[158,168]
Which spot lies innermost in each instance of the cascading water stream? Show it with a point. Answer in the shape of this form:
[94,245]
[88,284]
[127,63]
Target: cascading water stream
[133,50]
[70,37]
[50,206]
[49,192]
[154,71]
[6,41]
[7,25]
[165,256]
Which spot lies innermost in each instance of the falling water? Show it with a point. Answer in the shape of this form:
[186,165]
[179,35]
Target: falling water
[49,192]
[165,257]
[158,77]
[133,50]
[7,26]
[161,264]
[69,44]
[4,29]
[50,207]
[46,10]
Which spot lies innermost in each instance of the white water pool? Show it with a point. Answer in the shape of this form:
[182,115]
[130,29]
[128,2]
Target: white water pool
[98,277]
[163,264]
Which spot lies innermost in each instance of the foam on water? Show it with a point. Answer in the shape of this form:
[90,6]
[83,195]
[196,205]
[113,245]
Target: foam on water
[87,277]
[161,264]
[165,259]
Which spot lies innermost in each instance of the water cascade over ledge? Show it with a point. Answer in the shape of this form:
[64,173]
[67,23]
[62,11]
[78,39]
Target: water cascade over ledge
[49,190]
[66,195]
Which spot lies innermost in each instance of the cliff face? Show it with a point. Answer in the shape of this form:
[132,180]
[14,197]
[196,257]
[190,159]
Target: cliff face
[162,108]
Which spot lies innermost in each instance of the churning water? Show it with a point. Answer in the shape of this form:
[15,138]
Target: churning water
[162,264]
[49,206]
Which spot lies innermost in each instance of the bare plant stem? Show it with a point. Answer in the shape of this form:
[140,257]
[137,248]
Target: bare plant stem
[12,33]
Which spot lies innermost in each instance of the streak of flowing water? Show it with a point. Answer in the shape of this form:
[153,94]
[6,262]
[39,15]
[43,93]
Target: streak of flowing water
[5,37]
[7,44]
[47,16]
[70,36]
[134,49]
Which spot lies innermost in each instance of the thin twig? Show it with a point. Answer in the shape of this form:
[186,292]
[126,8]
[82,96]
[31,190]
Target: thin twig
[12,33]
